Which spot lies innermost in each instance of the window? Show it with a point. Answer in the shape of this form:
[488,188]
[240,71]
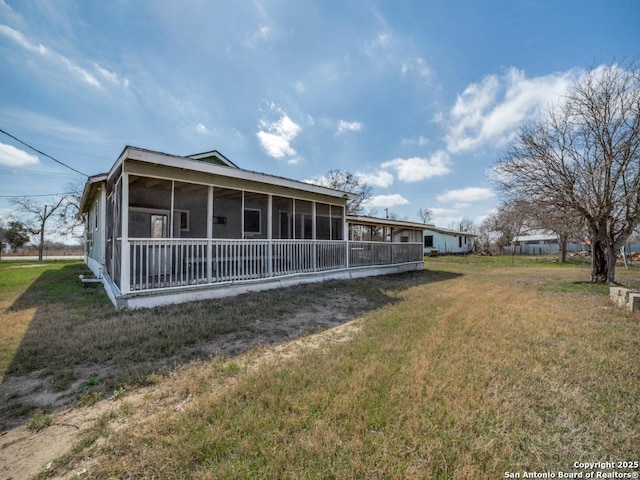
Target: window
[183,215]
[459,242]
[252,220]
[428,240]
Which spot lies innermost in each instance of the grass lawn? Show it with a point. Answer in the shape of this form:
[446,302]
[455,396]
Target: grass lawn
[476,367]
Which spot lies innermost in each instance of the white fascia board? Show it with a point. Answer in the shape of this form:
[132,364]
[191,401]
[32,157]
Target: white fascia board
[185,163]
[91,181]
[365,220]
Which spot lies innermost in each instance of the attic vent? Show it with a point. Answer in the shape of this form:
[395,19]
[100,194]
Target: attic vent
[212,159]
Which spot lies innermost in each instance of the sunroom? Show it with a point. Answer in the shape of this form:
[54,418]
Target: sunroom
[164,229]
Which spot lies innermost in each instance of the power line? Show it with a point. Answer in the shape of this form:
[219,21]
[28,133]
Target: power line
[39,195]
[42,153]
[25,172]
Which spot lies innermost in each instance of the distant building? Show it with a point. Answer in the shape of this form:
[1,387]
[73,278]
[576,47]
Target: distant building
[538,244]
[445,240]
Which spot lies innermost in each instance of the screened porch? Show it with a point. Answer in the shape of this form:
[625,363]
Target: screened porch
[169,234]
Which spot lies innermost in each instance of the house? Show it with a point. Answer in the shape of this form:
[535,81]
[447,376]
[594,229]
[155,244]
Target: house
[444,240]
[164,228]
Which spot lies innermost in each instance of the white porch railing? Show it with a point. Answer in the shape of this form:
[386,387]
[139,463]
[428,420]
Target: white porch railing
[168,263]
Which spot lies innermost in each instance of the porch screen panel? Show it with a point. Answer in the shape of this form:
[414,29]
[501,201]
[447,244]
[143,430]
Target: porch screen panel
[190,210]
[323,221]
[255,215]
[282,221]
[227,213]
[117,238]
[303,220]
[337,222]
[149,193]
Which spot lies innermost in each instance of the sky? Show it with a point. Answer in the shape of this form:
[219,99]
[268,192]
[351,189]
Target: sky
[417,98]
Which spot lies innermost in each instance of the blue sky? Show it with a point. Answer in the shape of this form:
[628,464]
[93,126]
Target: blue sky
[418,98]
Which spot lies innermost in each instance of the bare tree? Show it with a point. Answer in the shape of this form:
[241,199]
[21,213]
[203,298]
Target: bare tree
[35,216]
[424,214]
[582,157]
[68,214]
[466,225]
[486,237]
[565,224]
[349,183]
[509,221]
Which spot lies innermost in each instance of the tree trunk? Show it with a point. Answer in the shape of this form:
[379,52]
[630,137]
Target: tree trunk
[612,253]
[599,262]
[563,248]
[41,246]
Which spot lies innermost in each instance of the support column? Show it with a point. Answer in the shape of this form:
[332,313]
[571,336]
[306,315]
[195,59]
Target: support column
[270,235]
[314,238]
[345,236]
[125,266]
[210,234]
[102,225]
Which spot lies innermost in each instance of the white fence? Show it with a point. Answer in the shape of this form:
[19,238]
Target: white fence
[167,263]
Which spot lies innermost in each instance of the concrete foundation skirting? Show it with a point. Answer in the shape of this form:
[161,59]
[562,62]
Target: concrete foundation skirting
[181,295]
[625,298]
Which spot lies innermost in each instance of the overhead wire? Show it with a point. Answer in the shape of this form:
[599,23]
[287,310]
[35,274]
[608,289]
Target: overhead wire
[42,153]
[40,195]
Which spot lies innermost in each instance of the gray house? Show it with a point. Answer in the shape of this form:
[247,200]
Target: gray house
[445,240]
[163,228]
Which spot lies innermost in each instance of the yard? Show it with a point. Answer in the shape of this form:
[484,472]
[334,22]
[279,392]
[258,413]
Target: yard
[474,368]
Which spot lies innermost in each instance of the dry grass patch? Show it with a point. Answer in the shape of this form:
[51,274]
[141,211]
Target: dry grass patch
[467,378]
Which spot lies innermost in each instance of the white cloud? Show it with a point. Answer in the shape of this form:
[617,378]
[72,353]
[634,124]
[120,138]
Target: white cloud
[14,157]
[262,34]
[420,141]
[443,211]
[276,137]
[416,168]
[419,67]
[202,129]
[490,111]
[344,127]
[380,42]
[386,201]
[58,59]
[379,178]
[265,31]
[112,77]
[465,195]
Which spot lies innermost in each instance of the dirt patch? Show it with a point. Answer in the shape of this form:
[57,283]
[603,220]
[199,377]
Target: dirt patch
[24,452]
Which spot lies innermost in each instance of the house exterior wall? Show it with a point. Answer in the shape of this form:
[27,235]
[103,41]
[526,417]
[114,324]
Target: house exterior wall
[95,224]
[445,242]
